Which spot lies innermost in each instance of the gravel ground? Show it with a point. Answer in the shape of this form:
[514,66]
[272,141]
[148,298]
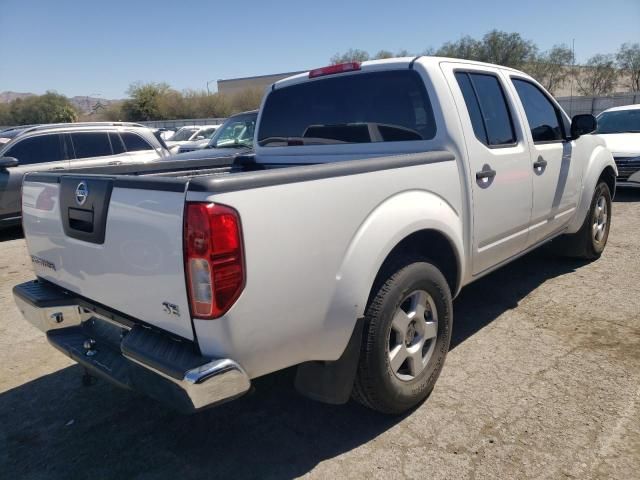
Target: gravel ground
[542,381]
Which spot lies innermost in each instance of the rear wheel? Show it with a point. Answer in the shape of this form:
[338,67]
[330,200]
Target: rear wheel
[589,242]
[406,338]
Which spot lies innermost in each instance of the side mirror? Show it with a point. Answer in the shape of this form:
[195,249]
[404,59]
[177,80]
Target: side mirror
[583,124]
[7,162]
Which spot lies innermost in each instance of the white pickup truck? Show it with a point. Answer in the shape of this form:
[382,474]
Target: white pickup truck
[377,191]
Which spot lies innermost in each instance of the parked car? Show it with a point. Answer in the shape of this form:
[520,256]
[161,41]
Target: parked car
[234,135]
[338,250]
[201,141]
[166,133]
[190,134]
[620,129]
[90,147]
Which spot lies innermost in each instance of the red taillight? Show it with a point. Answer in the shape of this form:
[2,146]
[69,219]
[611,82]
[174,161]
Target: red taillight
[332,69]
[214,260]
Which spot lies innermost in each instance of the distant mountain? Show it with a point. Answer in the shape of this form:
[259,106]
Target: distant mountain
[84,104]
[6,97]
[90,104]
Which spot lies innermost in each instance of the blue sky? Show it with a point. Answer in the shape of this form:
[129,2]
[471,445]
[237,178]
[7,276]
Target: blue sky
[100,47]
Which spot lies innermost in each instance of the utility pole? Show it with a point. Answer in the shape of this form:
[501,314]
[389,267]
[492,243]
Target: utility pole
[210,81]
[573,74]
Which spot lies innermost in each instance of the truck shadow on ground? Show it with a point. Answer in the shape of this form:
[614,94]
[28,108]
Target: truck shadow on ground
[53,424]
[10,233]
[627,194]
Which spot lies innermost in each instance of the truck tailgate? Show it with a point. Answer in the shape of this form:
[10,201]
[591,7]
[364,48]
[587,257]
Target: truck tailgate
[114,240]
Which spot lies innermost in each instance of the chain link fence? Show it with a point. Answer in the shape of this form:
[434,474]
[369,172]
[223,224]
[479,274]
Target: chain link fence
[596,105]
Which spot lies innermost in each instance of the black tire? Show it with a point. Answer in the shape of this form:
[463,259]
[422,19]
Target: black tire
[377,386]
[583,244]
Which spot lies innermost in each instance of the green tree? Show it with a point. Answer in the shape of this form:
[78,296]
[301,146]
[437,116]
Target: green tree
[507,49]
[628,58]
[145,102]
[501,48]
[598,76]
[5,115]
[48,108]
[383,54]
[552,68]
[466,48]
[351,55]
[248,99]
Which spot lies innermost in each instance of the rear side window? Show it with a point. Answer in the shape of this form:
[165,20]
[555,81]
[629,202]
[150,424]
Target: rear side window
[360,108]
[488,109]
[40,149]
[91,144]
[116,143]
[134,143]
[542,115]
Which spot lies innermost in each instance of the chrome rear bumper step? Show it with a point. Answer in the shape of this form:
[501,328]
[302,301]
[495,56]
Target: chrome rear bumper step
[168,369]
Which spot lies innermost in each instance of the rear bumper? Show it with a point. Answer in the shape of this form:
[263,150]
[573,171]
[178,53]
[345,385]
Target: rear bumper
[131,356]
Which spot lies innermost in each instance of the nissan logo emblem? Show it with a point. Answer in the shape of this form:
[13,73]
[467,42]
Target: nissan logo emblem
[82,193]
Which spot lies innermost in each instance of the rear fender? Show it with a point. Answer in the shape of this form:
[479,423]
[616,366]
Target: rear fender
[385,227]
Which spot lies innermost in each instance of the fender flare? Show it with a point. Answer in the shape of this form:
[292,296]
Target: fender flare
[600,159]
[385,227]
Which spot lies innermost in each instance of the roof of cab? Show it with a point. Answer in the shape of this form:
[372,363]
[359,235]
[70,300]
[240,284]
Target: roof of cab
[399,62]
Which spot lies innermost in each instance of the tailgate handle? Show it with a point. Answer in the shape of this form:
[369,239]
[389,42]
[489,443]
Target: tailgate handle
[81,220]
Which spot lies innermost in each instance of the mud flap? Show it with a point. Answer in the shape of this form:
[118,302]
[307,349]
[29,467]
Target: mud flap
[331,382]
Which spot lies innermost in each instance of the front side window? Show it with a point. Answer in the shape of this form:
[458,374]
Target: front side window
[488,109]
[542,115]
[134,143]
[40,149]
[91,144]
[357,108]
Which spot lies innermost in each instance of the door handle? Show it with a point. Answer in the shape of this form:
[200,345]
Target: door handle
[487,173]
[540,164]
[115,163]
[57,168]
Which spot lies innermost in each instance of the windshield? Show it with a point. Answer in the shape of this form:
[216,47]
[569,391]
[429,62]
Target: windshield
[362,108]
[621,121]
[236,131]
[183,134]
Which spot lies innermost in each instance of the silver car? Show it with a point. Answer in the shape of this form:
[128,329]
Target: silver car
[95,147]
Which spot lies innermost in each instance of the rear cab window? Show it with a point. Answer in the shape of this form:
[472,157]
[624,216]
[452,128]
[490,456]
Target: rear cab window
[488,109]
[385,106]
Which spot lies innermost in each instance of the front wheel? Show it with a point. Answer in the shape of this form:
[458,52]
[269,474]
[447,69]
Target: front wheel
[589,242]
[406,338]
